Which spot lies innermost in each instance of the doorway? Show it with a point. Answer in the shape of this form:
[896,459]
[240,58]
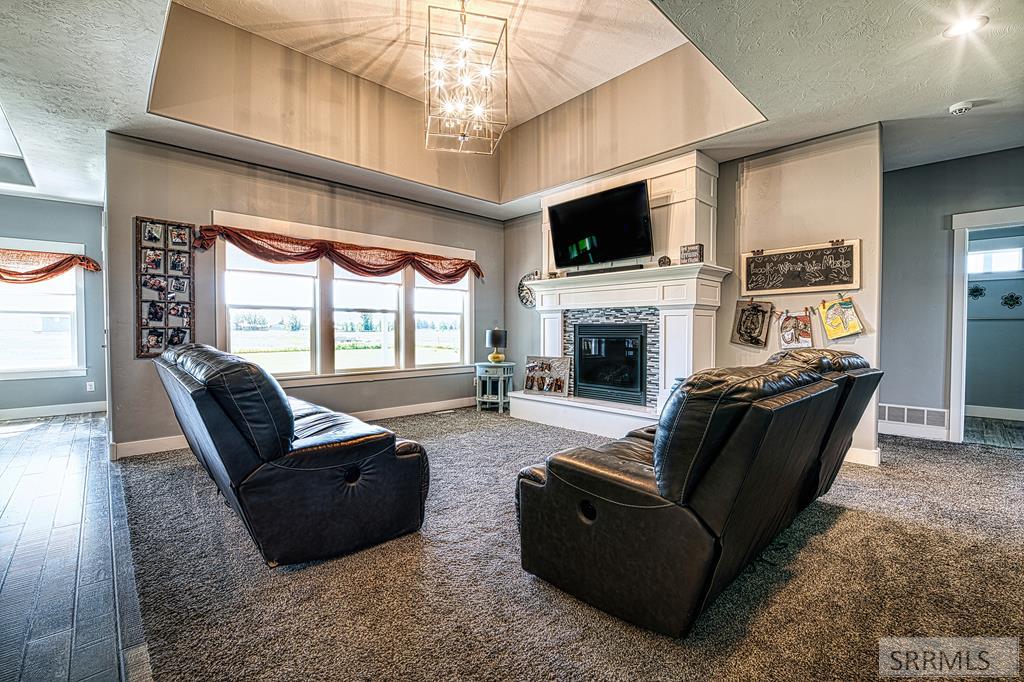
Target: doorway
[986,376]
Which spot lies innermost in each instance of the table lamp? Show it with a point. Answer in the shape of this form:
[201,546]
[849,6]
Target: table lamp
[496,339]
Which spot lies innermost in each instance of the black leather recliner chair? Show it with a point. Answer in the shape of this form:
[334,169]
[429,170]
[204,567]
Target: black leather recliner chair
[652,527]
[307,482]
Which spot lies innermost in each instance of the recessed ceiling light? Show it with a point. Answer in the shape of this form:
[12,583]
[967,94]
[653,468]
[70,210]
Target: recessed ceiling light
[965,26]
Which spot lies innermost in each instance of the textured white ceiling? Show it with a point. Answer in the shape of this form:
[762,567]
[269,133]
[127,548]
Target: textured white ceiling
[558,49]
[71,69]
[818,66]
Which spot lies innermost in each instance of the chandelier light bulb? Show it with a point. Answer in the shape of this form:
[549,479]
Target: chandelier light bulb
[465,44]
[485,72]
[438,64]
[460,106]
[466,81]
[478,110]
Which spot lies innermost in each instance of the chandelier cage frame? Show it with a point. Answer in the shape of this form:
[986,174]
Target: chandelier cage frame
[465,66]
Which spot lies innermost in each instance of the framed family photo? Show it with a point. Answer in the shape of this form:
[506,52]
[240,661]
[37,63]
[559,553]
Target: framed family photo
[164,285]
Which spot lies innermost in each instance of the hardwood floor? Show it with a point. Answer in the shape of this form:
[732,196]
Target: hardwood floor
[1000,432]
[68,607]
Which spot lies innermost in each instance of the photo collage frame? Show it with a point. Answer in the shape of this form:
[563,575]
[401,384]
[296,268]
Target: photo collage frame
[164,285]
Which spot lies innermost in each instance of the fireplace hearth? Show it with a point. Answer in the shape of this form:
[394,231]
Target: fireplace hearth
[610,362]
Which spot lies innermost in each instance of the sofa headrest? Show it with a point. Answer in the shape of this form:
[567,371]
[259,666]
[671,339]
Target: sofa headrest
[820,359]
[702,413]
[251,398]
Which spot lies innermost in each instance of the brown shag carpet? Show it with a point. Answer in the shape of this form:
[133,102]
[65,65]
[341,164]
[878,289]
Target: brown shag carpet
[931,543]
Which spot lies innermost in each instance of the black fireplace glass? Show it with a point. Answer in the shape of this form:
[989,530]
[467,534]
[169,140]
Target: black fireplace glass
[610,362]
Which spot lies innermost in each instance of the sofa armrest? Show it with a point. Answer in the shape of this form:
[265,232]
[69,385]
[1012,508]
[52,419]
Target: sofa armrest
[604,474]
[331,451]
[647,433]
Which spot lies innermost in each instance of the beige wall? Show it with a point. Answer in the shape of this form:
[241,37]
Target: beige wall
[166,182]
[825,189]
[212,74]
[215,75]
[668,103]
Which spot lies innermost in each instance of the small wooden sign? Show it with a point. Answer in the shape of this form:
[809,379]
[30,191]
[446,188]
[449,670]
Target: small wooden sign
[832,266]
[691,253]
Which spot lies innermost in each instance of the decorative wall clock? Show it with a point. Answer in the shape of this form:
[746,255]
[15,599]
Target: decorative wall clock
[526,296]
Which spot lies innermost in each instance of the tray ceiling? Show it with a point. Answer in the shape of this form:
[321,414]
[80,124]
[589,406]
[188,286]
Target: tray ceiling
[558,49]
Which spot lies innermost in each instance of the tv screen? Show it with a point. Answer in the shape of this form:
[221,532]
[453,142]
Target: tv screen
[602,227]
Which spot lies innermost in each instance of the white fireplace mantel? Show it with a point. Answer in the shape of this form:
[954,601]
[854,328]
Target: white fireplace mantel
[687,298]
[673,286]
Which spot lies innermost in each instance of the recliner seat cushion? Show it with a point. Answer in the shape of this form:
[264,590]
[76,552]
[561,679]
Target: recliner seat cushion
[318,429]
[702,413]
[250,397]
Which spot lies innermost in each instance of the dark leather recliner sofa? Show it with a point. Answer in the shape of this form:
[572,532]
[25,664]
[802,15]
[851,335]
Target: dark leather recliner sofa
[652,527]
[307,482]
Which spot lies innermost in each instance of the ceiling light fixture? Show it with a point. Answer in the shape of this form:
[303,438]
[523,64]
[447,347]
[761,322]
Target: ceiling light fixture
[961,108]
[965,25]
[466,80]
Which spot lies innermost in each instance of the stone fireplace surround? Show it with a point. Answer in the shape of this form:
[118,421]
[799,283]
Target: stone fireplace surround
[648,316]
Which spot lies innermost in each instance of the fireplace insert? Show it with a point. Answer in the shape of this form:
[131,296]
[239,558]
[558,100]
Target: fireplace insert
[610,362]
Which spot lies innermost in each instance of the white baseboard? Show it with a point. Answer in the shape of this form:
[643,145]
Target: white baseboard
[419,408]
[869,457]
[914,430]
[146,447]
[52,410]
[994,412]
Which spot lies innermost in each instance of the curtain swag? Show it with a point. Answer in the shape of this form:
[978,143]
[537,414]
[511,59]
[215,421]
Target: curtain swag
[28,267]
[368,261]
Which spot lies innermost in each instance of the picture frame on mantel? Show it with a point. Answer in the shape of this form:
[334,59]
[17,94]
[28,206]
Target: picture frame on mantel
[831,266]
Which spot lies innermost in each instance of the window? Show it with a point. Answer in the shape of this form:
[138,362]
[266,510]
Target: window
[42,325]
[320,319]
[440,312]
[366,321]
[270,312]
[1000,260]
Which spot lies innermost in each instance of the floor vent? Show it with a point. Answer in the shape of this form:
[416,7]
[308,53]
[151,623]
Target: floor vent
[922,416]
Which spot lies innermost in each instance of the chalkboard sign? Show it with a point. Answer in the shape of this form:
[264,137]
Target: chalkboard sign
[832,266]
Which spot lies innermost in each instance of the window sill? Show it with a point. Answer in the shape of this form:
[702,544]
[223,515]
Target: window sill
[43,374]
[373,375]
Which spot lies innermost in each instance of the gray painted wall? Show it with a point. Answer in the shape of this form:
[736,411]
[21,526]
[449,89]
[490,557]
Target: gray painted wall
[24,218]
[917,264]
[165,182]
[523,254]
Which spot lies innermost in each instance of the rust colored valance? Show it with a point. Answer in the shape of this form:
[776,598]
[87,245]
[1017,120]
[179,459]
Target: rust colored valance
[369,261]
[28,267]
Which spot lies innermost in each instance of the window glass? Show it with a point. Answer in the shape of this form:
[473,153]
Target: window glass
[439,300]
[364,341]
[279,340]
[363,295]
[438,339]
[1006,261]
[39,325]
[257,289]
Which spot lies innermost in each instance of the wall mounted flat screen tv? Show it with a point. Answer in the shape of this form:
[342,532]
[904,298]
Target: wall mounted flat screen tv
[602,227]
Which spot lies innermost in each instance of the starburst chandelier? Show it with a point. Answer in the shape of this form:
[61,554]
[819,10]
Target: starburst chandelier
[466,78]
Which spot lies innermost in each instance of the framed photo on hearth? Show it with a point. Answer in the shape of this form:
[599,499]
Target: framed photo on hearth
[547,374]
[164,285]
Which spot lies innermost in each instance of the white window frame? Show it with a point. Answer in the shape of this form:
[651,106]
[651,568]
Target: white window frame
[398,312]
[79,368]
[464,315]
[323,342]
